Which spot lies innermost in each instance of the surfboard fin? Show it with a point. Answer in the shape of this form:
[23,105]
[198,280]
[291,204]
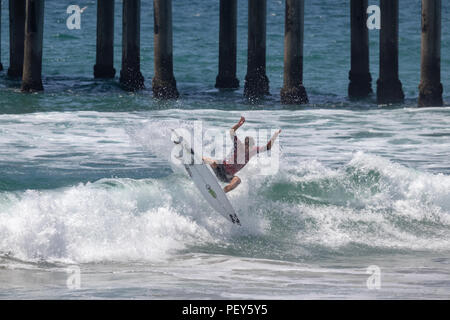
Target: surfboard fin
[180,138]
[178,141]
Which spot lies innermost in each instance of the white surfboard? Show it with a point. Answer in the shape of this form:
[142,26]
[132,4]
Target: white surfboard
[205,181]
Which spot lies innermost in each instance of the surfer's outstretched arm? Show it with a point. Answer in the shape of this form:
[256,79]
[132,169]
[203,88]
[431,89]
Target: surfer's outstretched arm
[233,184]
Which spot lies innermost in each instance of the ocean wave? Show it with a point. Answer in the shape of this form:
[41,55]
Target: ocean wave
[369,204]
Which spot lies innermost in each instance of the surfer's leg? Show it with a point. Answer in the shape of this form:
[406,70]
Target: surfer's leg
[233,184]
[210,161]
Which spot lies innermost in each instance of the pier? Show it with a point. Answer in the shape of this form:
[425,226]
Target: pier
[256,81]
[131,78]
[163,84]
[104,66]
[293,91]
[360,85]
[430,81]
[389,86]
[16,37]
[26,49]
[226,79]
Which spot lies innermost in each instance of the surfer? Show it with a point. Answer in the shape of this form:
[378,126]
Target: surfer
[238,158]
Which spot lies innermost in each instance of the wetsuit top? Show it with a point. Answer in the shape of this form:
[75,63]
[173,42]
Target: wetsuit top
[237,158]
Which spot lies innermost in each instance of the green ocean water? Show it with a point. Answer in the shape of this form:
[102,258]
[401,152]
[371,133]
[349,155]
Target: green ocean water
[85,177]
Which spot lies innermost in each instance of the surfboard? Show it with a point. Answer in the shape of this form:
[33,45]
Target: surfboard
[204,179]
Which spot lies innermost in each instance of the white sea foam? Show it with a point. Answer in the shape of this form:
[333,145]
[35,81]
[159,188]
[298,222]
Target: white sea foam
[324,194]
[95,222]
[400,208]
[125,219]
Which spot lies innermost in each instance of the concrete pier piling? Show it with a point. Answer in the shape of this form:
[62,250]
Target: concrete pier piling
[131,78]
[293,91]
[26,27]
[430,88]
[34,31]
[256,81]
[16,37]
[164,85]
[226,78]
[104,66]
[389,87]
[360,85]
[1,65]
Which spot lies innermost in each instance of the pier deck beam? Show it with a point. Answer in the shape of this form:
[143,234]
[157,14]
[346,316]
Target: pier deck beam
[16,37]
[293,91]
[389,87]
[360,85]
[104,65]
[430,86]
[34,31]
[256,81]
[131,78]
[226,78]
[164,85]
